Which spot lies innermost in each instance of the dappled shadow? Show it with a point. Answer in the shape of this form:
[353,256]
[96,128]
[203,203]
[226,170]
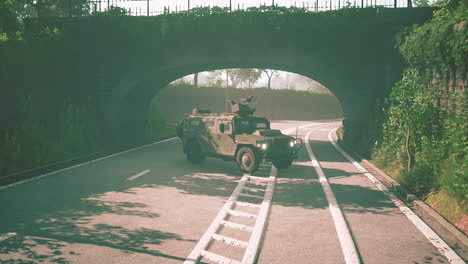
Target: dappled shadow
[212,184]
[49,233]
[86,210]
[51,244]
[52,250]
[47,223]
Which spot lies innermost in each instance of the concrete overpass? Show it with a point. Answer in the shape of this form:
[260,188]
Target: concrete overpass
[124,61]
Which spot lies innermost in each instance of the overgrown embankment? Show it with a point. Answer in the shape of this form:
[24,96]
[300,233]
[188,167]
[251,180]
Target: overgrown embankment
[425,133]
[175,100]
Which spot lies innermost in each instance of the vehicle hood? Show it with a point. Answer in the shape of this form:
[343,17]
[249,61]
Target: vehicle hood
[269,133]
[264,134]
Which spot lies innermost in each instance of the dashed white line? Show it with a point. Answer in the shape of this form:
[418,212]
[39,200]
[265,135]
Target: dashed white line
[344,235]
[423,227]
[82,164]
[138,175]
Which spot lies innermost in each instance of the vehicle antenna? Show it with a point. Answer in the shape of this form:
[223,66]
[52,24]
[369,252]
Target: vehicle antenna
[227,86]
[297,128]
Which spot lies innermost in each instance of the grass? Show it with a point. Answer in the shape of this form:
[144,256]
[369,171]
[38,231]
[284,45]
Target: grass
[445,204]
[449,208]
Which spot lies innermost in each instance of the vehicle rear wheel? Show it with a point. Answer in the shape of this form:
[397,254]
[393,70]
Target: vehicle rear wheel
[282,163]
[246,160]
[194,153]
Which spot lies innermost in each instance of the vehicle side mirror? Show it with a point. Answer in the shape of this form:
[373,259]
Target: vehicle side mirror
[221,128]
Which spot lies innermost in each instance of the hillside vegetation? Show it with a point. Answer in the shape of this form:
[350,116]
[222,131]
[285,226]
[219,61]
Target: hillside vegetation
[424,143]
[175,100]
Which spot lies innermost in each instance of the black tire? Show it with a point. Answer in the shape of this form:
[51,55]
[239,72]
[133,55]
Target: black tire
[194,153]
[282,163]
[247,160]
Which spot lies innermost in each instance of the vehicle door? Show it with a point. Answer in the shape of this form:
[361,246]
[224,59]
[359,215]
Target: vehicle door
[224,139]
[207,136]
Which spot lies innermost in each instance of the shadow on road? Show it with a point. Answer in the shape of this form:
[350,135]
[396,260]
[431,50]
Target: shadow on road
[49,221]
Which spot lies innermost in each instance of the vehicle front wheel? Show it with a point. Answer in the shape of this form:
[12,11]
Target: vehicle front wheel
[194,153]
[246,160]
[282,163]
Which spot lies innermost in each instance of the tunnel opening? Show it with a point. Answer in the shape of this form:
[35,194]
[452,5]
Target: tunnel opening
[279,95]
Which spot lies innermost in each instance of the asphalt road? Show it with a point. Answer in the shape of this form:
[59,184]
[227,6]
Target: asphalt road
[150,205]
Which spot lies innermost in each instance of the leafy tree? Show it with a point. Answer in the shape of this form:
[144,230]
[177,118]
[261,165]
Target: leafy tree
[425,130]
[112,11]
[49,8]
[421,3]
[234,77]
[247,75]
[270,74]
[215,78]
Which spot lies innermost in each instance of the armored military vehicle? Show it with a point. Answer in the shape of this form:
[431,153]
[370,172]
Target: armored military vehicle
[239,136]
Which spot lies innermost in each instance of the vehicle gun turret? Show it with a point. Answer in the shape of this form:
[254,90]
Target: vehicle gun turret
[242,106]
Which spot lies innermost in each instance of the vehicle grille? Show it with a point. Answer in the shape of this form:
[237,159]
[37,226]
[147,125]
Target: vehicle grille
[281,143]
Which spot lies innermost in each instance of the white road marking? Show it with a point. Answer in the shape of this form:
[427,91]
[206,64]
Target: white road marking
[423,227]
[206,238]
[82,164]
[6,236]
[347,244]
[254,243]
[48,165]
[138,175]
[293,129]
[253,247]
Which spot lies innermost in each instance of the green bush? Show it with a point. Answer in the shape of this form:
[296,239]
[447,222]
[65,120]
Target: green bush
[35,142]
[454,177]
[425,129]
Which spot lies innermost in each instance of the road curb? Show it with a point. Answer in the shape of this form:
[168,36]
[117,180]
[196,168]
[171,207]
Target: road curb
[457,239]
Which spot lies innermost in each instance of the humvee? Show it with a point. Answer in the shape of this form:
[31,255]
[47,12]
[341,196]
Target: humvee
[239,136]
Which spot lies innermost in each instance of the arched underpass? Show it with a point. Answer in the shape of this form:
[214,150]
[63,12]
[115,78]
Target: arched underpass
[290,97]
[122,62]
[158,208]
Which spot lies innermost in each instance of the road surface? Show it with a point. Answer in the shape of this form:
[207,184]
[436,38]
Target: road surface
[149,205]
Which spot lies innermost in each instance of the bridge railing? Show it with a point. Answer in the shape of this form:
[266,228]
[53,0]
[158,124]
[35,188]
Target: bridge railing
[158,7]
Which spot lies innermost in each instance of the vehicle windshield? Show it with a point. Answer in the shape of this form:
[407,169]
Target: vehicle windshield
[248,125]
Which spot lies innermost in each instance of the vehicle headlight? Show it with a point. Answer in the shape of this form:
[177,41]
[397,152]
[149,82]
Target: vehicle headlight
[263,146]
[291,144]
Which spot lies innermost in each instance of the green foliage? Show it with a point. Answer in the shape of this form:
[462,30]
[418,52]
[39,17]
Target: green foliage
[425,124]
[10,24]
[454,177]
[112,11]
[440,44]
[421,3]
[72,132]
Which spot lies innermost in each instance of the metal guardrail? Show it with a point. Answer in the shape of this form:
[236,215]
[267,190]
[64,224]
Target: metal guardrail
[158,7]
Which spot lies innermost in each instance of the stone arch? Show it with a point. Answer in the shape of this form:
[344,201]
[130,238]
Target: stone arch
[353,55]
